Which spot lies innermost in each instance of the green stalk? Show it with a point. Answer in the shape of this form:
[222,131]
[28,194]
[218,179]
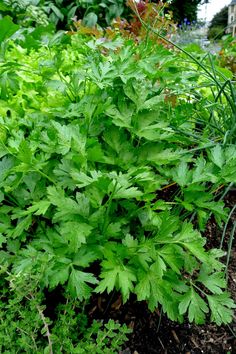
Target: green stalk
[199,148]
[44,175]
[232,331]
[105,221]
[227,190]
[226,225]
[230,248]
[199,289]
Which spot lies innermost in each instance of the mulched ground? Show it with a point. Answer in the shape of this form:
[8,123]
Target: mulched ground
[154,333]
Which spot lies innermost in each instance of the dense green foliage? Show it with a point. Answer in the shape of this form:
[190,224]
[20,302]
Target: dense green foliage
[112,160]
[218,24]
[62,12]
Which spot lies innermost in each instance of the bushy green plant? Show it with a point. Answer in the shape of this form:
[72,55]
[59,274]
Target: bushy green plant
[24,326]
[94,133]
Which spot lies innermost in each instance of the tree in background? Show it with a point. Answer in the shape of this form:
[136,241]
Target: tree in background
[218,24]
[220,19]
[184,9]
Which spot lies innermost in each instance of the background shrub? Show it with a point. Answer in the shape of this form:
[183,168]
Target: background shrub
[215,32]
[218,24]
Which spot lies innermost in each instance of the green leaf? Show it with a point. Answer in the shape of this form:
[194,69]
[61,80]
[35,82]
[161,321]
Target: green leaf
[132,90]
[153,102]
[117,140]
[173,256]
[182,175]
[187,238]
[108,282]
[90,19]
[214,282]
[5,166]
[82,180]
[21,226]
[191,239]
[143,288]
[2,239]
[86,255]
[217,156]
[120,119]
[155,290]
[228,171]
[58,275]
[203,172]
[126,277]
[9,82]
[64,137]
[67,208]
[39,208]
[148,287]
[127,193]
[116,276]
[158,267]
[77,284]
[158,155]
[7,28]
[56,11]
[75,233]
[221,308]
[121,185]
[217,208]
[195,306]
[25,153]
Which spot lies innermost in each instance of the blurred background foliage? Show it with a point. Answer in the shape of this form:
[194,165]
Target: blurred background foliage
[218,24]
[184,9]
[62,13]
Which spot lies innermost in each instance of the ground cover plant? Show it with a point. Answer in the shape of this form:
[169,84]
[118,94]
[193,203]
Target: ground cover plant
[114,155]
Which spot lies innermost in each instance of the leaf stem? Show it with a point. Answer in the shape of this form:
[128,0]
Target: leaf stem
[226,225]
[199,289]
[230,244]
[48,334]
[105,221]
[44,175]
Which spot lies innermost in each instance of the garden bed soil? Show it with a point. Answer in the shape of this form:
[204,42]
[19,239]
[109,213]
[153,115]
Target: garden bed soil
[154,333]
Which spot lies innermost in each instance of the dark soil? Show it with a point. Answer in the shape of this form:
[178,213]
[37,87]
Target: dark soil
[154,333]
